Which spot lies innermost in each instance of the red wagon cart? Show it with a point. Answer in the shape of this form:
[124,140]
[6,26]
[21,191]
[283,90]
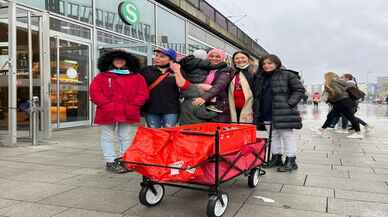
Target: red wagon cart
[198,157]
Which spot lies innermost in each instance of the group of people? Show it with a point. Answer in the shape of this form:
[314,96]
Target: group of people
[343,96]
[198,88]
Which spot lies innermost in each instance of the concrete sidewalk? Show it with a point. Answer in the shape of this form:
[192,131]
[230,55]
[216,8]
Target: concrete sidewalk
[337,177]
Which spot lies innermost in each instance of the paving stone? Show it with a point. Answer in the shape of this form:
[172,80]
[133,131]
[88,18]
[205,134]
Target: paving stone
[357,208]
[292,201]
[319,161]
[42,176]
[347,184]
[363,170]
[249,210]
[94,199]
[361,196]
[371,177]
[97,181]
[281,178]
[30,191]
[6,203]
[176,207]
[380,171]
[85,213]
[311,191]
[31,210]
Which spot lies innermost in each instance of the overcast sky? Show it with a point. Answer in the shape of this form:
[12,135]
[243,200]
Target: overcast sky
[316,36]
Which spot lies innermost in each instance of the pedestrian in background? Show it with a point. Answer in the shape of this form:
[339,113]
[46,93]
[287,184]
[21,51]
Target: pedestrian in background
[162,108]
[342,103]
[278,93]
[119,92]
[352,83]
[241,89]
[316,100]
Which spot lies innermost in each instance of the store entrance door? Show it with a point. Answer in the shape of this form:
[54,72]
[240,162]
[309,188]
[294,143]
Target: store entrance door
[70,71]
[15,104]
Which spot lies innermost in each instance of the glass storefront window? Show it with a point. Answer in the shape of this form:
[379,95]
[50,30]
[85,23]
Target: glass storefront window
[108,18]
[195,45]
[105,39]
[22,67]
[175,37]
[69,81]
[69,28]
[81,10]
[4,68]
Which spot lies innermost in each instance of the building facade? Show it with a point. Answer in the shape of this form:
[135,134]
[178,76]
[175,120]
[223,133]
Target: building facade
[49,49]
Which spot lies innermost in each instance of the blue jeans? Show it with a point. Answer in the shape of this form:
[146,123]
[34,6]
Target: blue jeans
[161,121]
[125,134]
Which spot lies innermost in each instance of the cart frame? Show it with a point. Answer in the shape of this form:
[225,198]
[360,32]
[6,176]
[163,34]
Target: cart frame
[213,190]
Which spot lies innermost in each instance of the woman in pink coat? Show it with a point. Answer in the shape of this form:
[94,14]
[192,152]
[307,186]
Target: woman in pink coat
[119,92]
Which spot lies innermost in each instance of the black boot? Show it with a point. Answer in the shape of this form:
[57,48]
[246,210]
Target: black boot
[276,161]
[289,165]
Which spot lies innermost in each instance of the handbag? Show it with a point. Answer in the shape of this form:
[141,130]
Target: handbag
[355,93]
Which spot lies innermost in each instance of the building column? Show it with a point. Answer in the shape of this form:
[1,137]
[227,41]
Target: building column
[12,88]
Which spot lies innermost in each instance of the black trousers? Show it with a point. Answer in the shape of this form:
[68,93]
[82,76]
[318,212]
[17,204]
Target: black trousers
[343,108]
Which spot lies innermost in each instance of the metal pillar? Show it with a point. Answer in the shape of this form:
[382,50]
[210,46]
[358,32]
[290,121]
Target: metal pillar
[12,123]
[30,76]
[46,76]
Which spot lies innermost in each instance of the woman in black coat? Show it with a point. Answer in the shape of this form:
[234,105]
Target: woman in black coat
[278,93]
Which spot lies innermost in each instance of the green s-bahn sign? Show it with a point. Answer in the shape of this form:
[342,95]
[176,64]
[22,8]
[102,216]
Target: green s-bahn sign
[129,12]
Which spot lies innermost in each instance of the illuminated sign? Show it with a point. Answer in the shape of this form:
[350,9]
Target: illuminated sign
[129,13]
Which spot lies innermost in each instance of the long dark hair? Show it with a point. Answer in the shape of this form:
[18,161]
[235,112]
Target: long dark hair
[273,58]
[240,52]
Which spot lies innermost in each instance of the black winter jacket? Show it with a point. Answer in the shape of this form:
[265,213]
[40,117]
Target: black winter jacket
[196,70]
[287,91]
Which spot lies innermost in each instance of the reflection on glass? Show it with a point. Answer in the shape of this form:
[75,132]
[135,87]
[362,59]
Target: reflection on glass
[107,17]
[77,9]
[22,67]
[69,81]
[106,39]
[174,38]
[4,70]
[69,28]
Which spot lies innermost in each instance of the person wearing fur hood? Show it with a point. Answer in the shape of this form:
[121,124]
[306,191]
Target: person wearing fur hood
[119,92]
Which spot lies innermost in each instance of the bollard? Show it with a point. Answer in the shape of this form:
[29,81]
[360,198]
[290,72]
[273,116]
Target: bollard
[34,125]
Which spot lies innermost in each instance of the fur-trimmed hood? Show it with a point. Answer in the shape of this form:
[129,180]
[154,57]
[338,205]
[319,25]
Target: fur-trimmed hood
[105,61]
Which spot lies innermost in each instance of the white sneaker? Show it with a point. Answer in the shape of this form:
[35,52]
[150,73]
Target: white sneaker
[356,136]
[213,109]
[341,131]
[368,128]
[318,131]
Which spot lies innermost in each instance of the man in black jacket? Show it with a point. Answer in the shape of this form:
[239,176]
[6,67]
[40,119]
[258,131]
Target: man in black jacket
[278,92]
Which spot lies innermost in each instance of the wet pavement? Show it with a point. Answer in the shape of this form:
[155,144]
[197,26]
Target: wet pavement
[337,177]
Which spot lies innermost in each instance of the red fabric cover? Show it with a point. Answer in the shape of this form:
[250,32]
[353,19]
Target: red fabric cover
[173,147]
[245,158]
[118,97]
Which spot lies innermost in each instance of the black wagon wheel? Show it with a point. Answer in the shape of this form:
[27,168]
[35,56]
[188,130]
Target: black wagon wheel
[217,205]
[151,195]
[253,177]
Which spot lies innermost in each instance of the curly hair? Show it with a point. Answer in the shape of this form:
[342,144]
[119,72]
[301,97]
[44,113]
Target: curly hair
[105,61]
